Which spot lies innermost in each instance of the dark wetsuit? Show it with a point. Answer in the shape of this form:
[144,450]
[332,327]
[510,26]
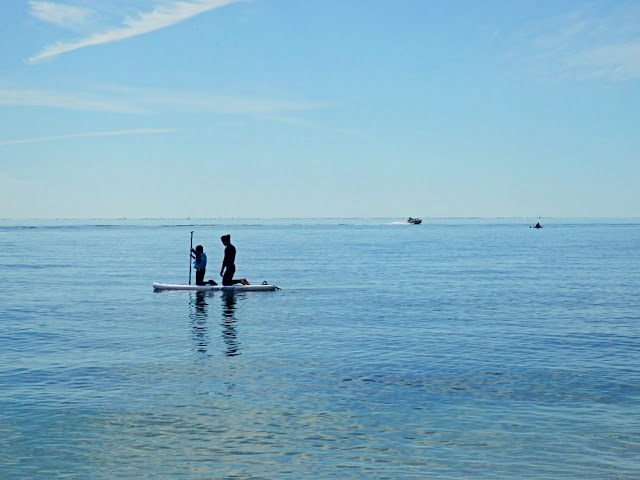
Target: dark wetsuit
[229,265]
[200,277]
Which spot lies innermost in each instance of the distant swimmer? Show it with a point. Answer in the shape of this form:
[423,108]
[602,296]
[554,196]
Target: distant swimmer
[537,225]
[200,264]
[228,264]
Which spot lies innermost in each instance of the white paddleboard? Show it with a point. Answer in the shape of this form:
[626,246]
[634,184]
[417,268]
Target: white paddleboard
[216,288]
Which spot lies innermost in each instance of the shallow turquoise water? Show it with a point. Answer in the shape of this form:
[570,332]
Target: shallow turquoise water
[454,349]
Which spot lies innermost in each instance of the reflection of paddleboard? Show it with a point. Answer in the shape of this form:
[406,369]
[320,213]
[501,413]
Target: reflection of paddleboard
[217,288]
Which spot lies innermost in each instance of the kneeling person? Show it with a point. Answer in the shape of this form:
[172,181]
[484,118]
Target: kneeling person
[200,264]
[228,264]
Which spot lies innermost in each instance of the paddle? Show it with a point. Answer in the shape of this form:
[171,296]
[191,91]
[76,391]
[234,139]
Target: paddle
[190,248]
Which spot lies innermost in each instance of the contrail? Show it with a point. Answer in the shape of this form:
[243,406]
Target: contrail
[139,131]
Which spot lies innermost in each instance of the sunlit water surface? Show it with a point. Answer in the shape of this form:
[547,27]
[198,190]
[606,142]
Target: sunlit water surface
[455,349]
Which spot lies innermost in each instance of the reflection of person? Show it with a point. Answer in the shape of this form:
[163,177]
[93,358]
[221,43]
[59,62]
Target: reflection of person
[229,333]
[200,264]
[228,264]
[199,330]
[199,323]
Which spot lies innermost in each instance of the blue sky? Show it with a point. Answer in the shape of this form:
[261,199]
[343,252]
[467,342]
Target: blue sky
[336,108]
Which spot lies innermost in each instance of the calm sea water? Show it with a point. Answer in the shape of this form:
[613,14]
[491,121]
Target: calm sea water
[474,349]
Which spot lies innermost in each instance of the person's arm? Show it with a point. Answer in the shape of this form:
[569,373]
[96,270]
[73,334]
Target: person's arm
[224,263]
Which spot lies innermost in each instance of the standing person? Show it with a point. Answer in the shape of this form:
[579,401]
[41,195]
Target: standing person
[228,264]
[200,264]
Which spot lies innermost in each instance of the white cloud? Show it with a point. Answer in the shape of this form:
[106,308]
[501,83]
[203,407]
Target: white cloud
[146,101]
[160,17]
[588,45]
[59,14]
[68,101]
[612,62]
[139,131]
[222,104]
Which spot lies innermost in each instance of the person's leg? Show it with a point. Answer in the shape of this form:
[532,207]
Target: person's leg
[227,278]
[200,277]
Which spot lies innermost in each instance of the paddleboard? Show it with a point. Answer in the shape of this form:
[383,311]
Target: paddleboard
[217,288]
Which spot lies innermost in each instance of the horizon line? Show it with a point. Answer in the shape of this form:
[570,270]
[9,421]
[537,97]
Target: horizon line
[463,217]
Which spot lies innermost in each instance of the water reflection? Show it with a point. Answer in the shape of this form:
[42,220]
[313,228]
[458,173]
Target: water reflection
[200,335]
[199,329]
[229,333]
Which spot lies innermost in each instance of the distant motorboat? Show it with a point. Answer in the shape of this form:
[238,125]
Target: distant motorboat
[414,221]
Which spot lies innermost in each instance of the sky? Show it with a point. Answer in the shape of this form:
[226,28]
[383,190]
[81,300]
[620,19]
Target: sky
[326,108]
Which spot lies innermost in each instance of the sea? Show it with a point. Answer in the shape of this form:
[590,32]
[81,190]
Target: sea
[455,349]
